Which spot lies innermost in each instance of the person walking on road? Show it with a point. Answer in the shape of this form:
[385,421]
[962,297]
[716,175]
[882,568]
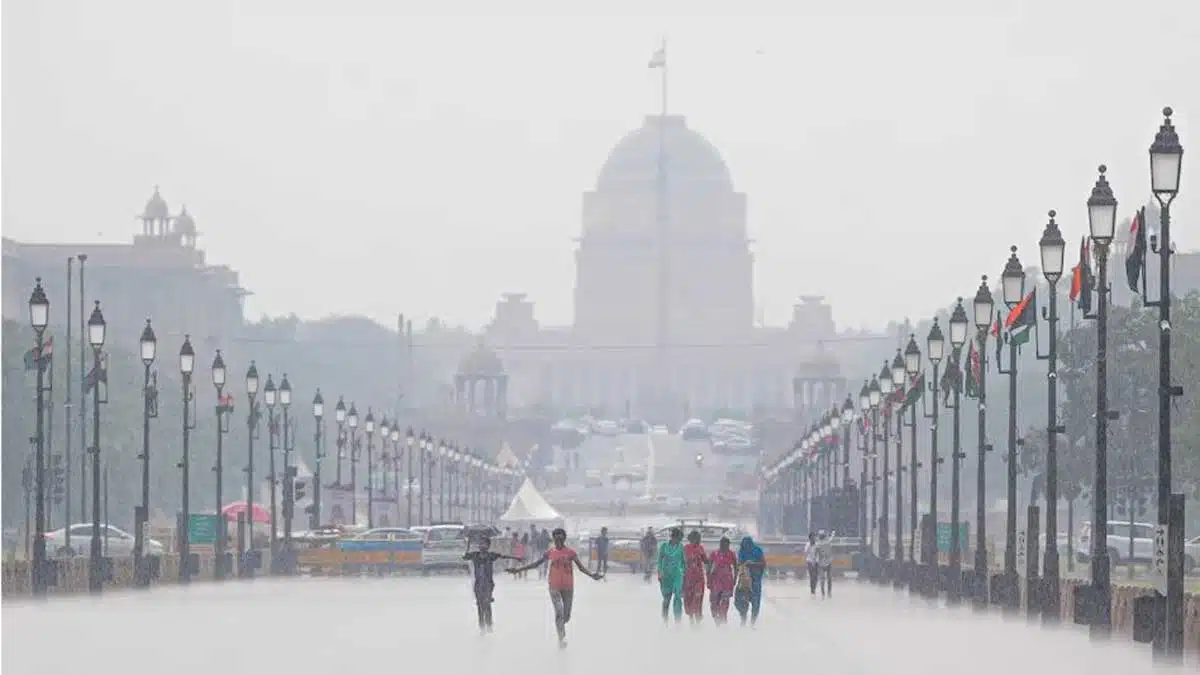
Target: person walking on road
[483,563]
[649,546]
[748,597]
[602,551]
[562,561]
[810,562]
[695,560]
[670,574]
[825,562]
[720,580]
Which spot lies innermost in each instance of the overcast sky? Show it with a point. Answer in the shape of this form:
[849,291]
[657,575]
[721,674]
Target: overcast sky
[347,158]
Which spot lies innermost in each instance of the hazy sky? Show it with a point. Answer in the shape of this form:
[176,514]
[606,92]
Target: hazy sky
[348,158]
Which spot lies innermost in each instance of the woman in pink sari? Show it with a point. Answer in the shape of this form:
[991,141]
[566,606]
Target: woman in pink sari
[695,559]
[721,574]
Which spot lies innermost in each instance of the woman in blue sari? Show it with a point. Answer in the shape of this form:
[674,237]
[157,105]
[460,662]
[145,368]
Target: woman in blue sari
[751,565]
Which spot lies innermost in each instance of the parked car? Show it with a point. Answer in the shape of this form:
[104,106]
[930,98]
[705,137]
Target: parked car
[1124,544]
[114,542]
[444,547]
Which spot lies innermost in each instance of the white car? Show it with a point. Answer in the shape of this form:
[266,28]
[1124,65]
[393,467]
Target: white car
[1121,548]
[444,547]
[114,542]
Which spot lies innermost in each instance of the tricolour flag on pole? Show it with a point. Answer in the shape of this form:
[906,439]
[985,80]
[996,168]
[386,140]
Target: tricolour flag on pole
[1022,319]
[659,59]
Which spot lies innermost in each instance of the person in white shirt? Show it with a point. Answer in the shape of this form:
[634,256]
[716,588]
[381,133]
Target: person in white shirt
[824,551]
[810,560]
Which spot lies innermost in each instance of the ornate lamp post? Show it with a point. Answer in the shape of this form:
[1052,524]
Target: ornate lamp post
[864,406]
[874,395]
[1102,224]
[396,467]
[409,445]
[912,368]
[1052,248]
[39,318]
[958,337]
[935,349]
[1012,285]
[271,397]
[249,560]
[983,308]
[443,452]
[224,409]
[148,350]
[187,366]
[318,408]
[1166,165]
[289,474]
[369,428]
[385,429]
[352,422]
[899,377]
[339,416]
[96,330]
[886,388]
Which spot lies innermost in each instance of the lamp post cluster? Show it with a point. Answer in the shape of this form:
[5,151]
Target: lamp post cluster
[799,479]
[410,468]
[466,484]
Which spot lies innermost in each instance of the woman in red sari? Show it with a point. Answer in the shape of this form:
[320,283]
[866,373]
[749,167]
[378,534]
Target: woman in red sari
[721,574]
[695,559]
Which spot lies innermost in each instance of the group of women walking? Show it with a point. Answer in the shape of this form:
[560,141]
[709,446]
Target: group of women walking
[685,570]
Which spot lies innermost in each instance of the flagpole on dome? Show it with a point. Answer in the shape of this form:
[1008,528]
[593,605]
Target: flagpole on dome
[659,61]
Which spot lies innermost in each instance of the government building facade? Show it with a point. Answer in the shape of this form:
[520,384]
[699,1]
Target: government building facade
[664,213]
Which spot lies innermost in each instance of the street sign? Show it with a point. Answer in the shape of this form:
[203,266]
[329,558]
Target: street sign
[1021,554]
[203,528]
[1158,573]
[943,537]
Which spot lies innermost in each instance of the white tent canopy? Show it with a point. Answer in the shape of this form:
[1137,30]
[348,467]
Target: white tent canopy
[529,506]
[507,458]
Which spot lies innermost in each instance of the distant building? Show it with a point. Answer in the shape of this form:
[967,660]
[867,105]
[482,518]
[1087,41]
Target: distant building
[714,357]
[160,275]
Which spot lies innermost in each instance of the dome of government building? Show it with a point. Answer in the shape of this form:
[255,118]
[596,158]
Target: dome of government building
[690,157]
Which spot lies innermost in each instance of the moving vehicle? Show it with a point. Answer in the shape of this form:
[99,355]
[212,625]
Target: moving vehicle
[694,430]
[444,547]
[1127,542]
[114,542]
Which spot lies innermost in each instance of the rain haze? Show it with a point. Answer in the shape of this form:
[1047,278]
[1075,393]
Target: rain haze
[354,158]
[824,178]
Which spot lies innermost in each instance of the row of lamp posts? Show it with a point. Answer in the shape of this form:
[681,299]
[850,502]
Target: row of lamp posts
[799,476]
[468,483]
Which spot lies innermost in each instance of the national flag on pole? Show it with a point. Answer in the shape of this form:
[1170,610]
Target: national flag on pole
[952,378]
[1022,319]
[974,374]
[1082,280]
[97,375]
[659,59]
[914,391]
[31,357]
[1135,261]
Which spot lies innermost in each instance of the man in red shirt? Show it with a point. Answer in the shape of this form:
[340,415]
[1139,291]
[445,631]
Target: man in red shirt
[563,561]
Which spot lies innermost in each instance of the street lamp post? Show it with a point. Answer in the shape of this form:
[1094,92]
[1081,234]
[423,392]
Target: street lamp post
[899,377]
[409,445]
[958,337]
[1012,285]
[912,368]
[396,467]
[252,414]
[148,348]
[431,458]
[864,406]
[385,429]
[339,416]
[1052,247]
[983,307]
[847,422]
[224,409]
[289,475]
[187,365]
[1166,164]
[271,397]
[369,428]
[1102,224]
[874,398]
[422,460]
[443,450]
[318,408]
[39,318]
[96,329]
[935,348]
[352,422]
[886,387]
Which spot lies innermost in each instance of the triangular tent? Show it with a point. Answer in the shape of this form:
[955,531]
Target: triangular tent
[529,506]
[506,458]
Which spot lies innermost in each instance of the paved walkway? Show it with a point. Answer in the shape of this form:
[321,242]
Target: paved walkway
[323,626]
